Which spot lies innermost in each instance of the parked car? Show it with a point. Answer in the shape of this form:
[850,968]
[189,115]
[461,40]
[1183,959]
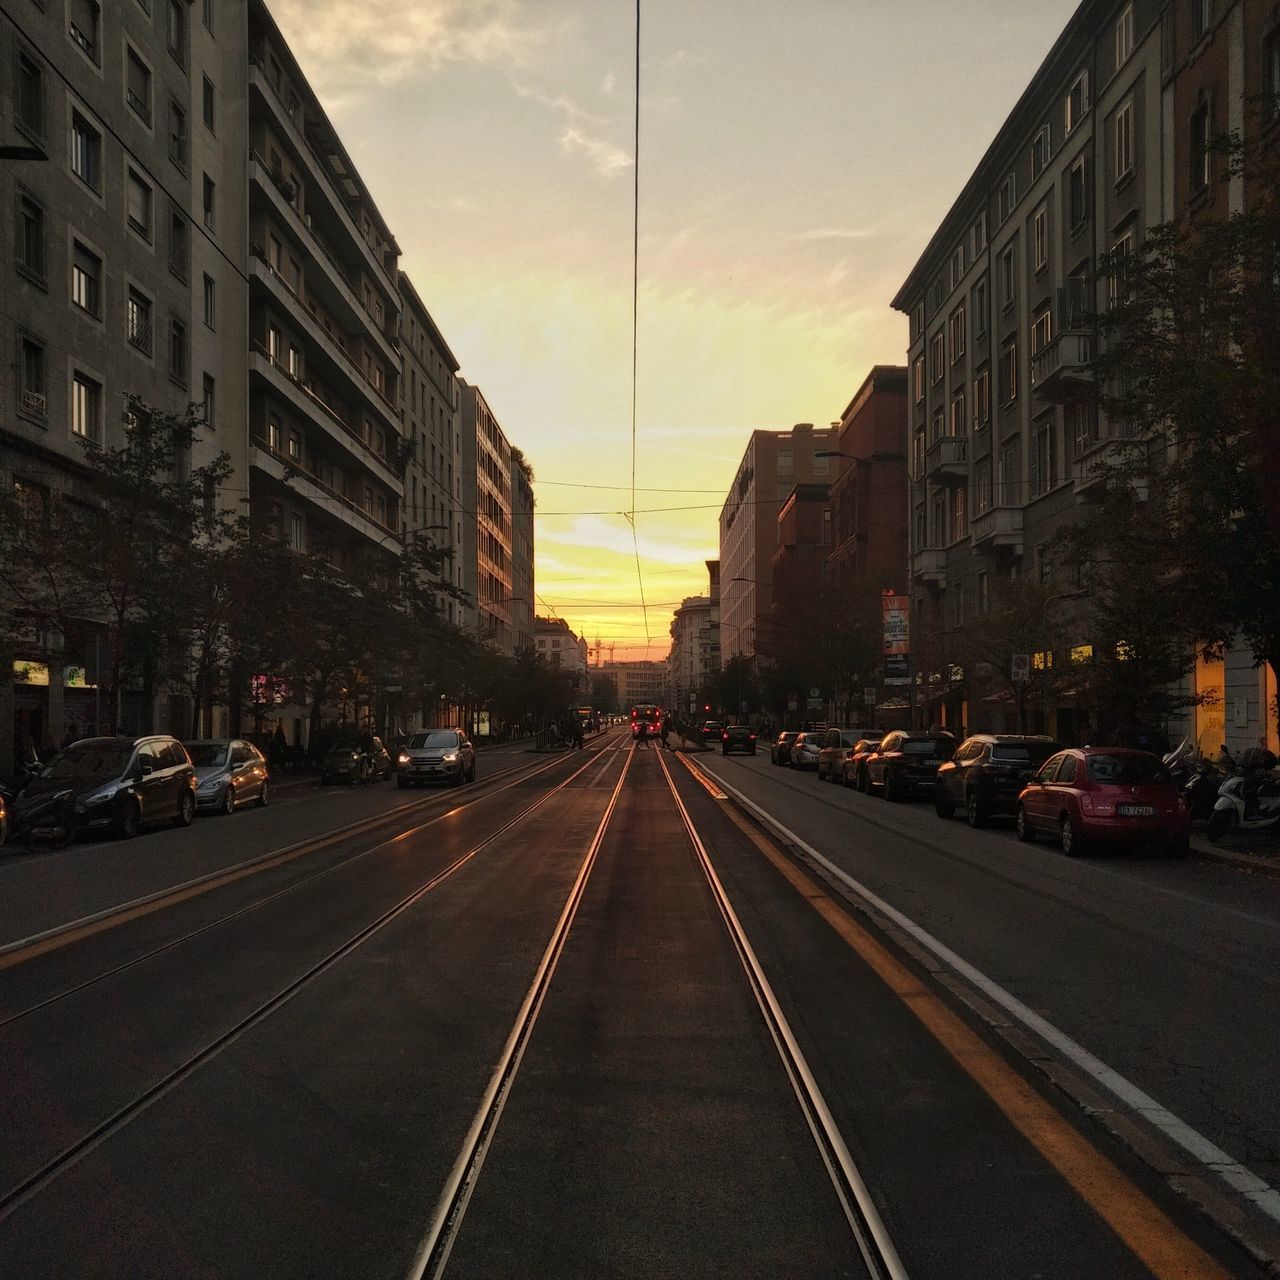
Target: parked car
[805,749]
[780,750]
[1104,795]
[738,737]
[906,763]
[855,761]
[4,820]
[987,774]
[121,784]
[836,745]
[229,772]
[356,760]
[438,755]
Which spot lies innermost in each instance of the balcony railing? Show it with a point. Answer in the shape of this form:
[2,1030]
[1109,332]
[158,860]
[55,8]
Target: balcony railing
[997,527]
[929,565]
[947,459]
[1062,368]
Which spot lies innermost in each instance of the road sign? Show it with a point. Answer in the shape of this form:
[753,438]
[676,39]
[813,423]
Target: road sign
[793,704]
[1020,670]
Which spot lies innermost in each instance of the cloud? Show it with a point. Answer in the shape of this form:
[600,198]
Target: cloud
[834,233]
[344,47]
[608,159]
[606,85]
[560,102]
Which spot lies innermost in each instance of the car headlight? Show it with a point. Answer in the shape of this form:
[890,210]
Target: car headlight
[403,758]
[99,796]
[210,784]
[450,757]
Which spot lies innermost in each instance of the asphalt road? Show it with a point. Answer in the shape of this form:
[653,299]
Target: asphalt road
[282,1073]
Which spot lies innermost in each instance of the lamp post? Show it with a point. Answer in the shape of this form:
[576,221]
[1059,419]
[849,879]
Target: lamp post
[1047,652]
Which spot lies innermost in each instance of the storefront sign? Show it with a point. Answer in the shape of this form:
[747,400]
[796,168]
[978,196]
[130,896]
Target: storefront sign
[896,669]
[897,623]
[30,673]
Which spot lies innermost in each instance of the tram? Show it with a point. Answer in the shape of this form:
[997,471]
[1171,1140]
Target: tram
[646,719]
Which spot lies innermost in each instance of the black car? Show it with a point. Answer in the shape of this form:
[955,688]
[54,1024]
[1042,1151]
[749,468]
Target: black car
[709,732]
[738,737]
[906,763]
[118,784]
[987,772]
[354,761]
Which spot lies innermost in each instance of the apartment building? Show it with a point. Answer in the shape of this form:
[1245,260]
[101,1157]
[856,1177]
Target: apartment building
[488,571]
[694,659]
[115,283]
[556,644]
[522,619]
[638,683]
[773,463]
[432,442]
[327,451]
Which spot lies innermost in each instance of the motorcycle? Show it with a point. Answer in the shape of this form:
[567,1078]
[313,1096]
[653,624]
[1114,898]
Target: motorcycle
[1249,800]
[1197,778]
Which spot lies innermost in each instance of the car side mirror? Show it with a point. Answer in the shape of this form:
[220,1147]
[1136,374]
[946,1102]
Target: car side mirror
[145,767]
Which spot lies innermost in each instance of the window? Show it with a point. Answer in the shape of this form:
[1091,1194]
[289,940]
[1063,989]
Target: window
[1078,193]
[917,375]
[917,456]
[210,303]
[984,595]
[1081,426]
[86,151]
[207,201]
[178,247]
[958,425]
[1008,276]
[957,267]
[980,308]
[86,406]
[30,246]
[85,26]
[1044,458]
[1009,373]
[137,86]
[177,135]
[297,535]
[207,14]
[1122,142]
[1201,17]
[209,398]
[275,344]
[138,321]
[1041,330]
[1124,36]
[295,368]
[1007,485]
[1008,196]
[1201,156]
[956,331]
[273,435]
[33,399]
[982,487]
[959,514]
[1040,239]
[1118,278]
[978,236]
[982,400]
[138,205]
[178,350]
[938,355]
[29,94]
[295,447]
[86,278]
[1040,151]
[208,103]
[938,425]
[1077,101]
[178,30]
[1079,299]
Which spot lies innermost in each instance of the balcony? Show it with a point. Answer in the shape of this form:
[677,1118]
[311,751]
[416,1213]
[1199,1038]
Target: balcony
[1105,462]
[947,461]
[930,567]
[998,528]
[1061,370]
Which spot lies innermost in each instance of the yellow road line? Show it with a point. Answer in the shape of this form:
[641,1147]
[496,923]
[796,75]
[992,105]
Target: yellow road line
[1143,1226]
[704,779]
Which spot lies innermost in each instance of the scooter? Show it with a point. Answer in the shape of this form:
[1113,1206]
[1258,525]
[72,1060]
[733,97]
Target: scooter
[1247,801]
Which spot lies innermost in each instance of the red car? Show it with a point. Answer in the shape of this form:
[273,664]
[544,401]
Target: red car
[1096,795]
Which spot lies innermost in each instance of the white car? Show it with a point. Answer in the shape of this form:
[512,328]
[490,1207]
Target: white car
[438,755]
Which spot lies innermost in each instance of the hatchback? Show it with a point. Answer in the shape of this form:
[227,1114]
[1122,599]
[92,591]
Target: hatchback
[1104,795]
[987,774]
[855,762]
[805,750]
[438,755]
[738,737]
[229,772]
[836,747]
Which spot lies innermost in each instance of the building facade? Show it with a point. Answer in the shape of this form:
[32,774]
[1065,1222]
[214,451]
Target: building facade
[562,650]
[695,651]
[641,683]
[772,465]
[522,504]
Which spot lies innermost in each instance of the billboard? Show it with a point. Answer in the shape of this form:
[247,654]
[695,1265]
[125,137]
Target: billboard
[896,611]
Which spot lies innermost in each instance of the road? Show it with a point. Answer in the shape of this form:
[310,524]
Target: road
[615,1013]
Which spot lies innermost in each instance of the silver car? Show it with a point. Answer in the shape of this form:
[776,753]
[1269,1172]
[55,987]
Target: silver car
[229,772]
[438,755]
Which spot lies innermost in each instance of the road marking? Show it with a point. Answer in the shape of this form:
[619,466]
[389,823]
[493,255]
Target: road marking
[1241,1180]
[1140,1223]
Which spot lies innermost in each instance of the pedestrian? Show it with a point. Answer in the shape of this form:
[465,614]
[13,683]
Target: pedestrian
[278,750]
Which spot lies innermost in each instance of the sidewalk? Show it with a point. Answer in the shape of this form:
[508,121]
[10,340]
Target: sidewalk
[1265,862]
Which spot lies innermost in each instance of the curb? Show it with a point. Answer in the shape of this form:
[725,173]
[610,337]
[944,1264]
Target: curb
[1269,866]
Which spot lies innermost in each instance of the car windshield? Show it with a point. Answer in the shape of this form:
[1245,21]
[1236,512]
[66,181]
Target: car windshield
[1127,770]
[848,739]
[439,738]
[92,758]
[1035,753]
[208,755]
[926,747]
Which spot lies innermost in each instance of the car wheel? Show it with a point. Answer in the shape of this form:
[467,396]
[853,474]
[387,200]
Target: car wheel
[1073,844]
[472,776]
[228,806]
[1026,832]
[975,810]
[261,801]
[860,781]
[943,805]
[186,810]
[891,791]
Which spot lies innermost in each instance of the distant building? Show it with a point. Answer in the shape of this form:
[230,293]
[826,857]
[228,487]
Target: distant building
[772,465]
[694,657]
[561,650]
[638,682]
[522,504]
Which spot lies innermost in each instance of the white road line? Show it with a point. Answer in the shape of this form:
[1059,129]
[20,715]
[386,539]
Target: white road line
[1231,1171]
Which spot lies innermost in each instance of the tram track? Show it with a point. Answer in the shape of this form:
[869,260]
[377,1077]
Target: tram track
[33,1182]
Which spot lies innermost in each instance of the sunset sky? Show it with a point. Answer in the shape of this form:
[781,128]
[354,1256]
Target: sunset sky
[790,175]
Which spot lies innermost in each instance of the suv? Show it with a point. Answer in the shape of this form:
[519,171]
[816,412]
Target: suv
[907,761]
[120,784]
[987,772]
[738,737]
[837,745]
[438,755]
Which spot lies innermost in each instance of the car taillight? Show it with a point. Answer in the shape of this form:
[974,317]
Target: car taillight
[725,736]
[752,737]
[1182,803]
[1086,803]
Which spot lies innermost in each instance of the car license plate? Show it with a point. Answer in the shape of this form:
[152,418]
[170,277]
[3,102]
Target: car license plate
[1136,810]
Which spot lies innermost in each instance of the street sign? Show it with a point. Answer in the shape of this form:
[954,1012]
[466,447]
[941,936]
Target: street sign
[793,704]
[1020,670]
[896,669]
